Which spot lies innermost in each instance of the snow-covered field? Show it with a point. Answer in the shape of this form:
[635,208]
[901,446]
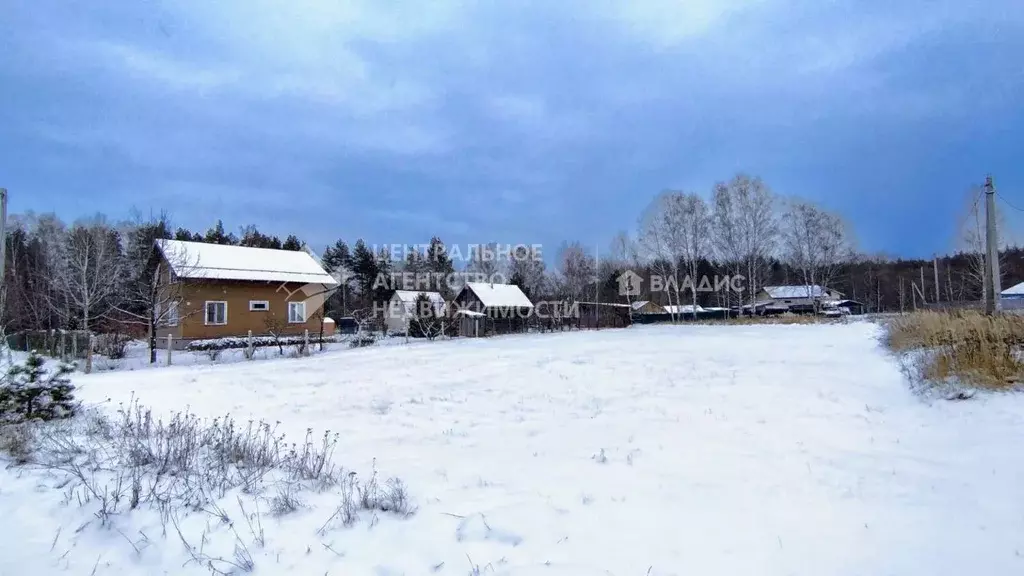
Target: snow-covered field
[657,450]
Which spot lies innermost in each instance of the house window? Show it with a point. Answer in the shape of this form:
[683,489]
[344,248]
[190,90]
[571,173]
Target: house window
[296,312]
[259,305]
[216,313]
[172,314]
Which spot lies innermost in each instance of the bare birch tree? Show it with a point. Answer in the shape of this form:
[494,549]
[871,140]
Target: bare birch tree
[816,244]
[577,269]
[483,264]
[525,267]
[624,256]
[746,226]
[656,242]
[688,214]
[152,297]
[727,241]
[88,275]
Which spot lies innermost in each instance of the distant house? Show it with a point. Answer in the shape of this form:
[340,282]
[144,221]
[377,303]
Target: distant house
[796,299]
[1015,292]
[680,310]
[603,315]
[647,307]
[1012,298]
[402,308]
[487,308]
[215,290]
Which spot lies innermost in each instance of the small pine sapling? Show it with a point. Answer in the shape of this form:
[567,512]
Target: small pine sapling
[30,390]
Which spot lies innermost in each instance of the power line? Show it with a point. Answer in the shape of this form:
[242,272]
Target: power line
[1007,202]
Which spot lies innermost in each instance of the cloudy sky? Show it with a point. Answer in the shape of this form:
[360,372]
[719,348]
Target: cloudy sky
[513,121]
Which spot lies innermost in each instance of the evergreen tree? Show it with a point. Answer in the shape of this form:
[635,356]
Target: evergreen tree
[216,235]
[441,266]
[364,270]
[427,320]
[337,257]
[413,270]
[185,235]
[292,242]
[253,238]
[337,260]
[32,391]
[385,268]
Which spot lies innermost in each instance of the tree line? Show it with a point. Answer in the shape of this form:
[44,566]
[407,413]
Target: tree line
[744,228]
[97,274]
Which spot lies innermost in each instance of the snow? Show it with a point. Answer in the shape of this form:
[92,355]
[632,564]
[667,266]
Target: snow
[499,295]
[403,303]
[811,291]
[763,449]
[224,262]
[682,309]
[410,296]
[1015,290]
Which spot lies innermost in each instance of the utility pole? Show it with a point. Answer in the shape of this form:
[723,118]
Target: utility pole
[992,254]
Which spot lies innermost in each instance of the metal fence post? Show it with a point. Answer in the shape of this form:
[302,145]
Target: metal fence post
[170,345]
[305,340]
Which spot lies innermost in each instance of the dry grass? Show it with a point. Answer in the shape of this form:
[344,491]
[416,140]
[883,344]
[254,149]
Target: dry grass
[780,319]
[966,346]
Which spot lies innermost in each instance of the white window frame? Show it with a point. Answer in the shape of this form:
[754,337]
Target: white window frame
[296,305]
[172,314]
[265,303]
[206,313]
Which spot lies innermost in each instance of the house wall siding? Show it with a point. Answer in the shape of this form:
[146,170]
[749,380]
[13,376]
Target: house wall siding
[192,325]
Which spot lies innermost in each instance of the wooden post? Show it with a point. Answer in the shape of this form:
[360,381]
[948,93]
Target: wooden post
[170,345]
[248,345]
[305,341]
[88,354]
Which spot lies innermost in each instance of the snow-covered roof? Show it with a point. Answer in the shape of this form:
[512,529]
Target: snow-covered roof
[1016,290]
[684,309]
[499,295]
[639,304]
[411,295]
[807,291]
[198,260]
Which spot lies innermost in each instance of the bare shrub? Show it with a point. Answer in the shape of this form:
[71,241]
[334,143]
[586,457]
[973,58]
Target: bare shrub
[370,497]
[19,441]
[113,345]
[286,501]
[965,346]
[115,464]
[214,354]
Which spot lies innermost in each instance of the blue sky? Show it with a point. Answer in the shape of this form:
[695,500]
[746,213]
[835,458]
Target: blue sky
[531,122]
